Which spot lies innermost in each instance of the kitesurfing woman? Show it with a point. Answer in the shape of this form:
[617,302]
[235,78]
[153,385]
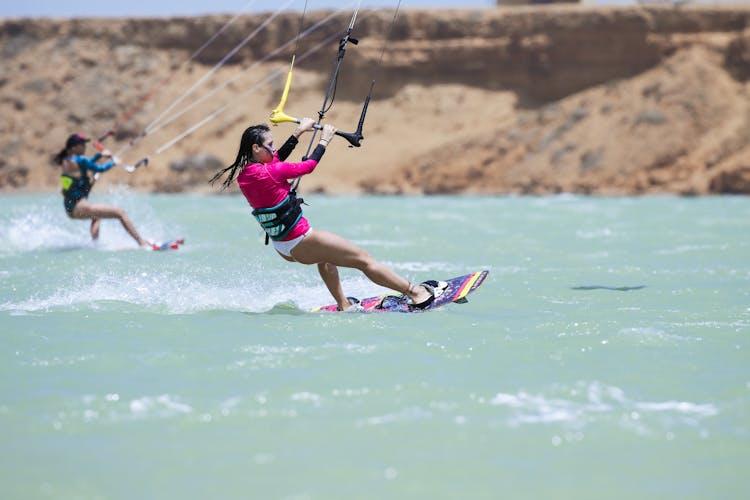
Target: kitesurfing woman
[76,185]
[263,177]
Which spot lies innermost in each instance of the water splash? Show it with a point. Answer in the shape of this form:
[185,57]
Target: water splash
[44,226]
[40,228]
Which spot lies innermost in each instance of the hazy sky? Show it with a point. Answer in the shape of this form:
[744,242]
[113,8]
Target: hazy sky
[89,8]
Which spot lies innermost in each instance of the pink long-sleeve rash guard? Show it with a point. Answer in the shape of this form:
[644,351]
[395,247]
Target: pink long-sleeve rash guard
[266,185]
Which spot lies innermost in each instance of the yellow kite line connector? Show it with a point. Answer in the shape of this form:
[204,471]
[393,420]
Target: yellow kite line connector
[278,115]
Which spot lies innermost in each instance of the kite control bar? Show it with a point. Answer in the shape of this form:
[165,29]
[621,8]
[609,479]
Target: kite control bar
[353,138]
[279,116]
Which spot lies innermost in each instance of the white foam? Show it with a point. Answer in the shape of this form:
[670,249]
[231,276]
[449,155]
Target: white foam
[306,397]
[682,249]
[407,414]
[592,401]
[162,406]
[680,407]
[595,234]
[172,293]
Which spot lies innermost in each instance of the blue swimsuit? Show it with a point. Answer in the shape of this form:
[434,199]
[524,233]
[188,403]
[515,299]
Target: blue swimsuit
[75,189]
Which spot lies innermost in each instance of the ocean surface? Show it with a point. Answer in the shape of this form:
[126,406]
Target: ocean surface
[606,356]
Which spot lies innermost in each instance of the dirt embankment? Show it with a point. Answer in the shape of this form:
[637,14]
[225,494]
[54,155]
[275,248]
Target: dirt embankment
[518,100]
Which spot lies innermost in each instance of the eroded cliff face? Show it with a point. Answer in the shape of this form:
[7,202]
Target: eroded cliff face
[524,100]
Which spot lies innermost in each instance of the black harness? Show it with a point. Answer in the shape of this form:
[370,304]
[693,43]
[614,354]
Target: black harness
[75,188]
[279,220]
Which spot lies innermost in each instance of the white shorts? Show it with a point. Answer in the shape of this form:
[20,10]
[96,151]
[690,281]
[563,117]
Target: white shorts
[285,247]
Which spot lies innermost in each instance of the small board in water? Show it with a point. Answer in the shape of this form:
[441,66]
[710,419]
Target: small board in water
[452,290]
[168,245]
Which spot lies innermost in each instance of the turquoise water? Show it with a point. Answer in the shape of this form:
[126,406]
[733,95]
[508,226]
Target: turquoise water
[606,356]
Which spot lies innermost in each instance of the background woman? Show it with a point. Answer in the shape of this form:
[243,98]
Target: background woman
[76,185]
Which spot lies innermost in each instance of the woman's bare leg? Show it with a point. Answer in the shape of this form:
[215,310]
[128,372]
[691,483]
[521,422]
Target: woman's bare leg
[86,210]
[330,275]
[324,247]
[95,228]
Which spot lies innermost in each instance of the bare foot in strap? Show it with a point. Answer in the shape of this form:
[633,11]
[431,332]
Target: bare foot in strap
[421,295]
[353,306]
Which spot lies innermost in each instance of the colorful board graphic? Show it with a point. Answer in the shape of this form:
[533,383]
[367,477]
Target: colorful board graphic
[451,290]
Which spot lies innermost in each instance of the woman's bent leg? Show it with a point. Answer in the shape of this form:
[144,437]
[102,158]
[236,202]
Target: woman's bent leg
[324,247]
[86,210]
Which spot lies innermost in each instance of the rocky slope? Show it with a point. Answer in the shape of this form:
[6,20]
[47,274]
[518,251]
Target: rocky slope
[517,100]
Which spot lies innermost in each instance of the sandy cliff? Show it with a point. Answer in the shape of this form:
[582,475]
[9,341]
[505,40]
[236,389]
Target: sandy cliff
[518,100]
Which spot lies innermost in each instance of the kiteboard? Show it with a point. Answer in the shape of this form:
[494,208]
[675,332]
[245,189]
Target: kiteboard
[453,290]
[168,245]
